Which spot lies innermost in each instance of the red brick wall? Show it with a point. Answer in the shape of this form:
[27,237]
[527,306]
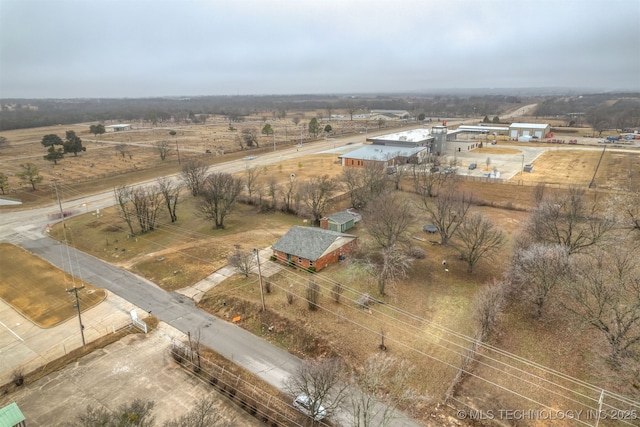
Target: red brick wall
[322,262]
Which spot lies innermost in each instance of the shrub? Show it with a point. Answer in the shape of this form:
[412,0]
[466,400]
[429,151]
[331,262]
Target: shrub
[17,377]
[336,292]
[290,295]
[416,252]
[313,294]
[179,353]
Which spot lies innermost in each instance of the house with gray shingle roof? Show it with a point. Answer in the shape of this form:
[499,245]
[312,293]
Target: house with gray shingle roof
[310,247]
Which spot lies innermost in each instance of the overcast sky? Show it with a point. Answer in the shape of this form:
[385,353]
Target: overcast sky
[143,48]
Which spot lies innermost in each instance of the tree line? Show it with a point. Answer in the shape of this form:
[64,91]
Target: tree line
[29,113]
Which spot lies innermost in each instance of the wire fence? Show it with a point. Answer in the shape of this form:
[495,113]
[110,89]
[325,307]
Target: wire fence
[43,357]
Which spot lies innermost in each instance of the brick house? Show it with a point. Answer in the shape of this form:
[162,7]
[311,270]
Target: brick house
[310,247]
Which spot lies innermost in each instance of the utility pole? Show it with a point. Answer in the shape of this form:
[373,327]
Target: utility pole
[255,251]
[178,151]
[75,291]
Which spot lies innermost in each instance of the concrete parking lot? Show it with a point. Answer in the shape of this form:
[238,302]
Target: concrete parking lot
[138,366]
[26,346]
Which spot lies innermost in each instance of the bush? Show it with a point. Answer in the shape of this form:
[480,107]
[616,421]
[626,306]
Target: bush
[336,292]
[416,252]
[179,353]
[17,377]
[290,295]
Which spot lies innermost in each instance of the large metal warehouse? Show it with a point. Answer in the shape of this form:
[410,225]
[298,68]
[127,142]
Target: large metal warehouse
[536,130]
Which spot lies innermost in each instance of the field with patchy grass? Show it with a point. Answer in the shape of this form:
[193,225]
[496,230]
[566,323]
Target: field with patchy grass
[37,289]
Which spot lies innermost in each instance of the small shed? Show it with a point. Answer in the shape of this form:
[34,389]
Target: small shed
[117,128]
[340,221]
[11,416]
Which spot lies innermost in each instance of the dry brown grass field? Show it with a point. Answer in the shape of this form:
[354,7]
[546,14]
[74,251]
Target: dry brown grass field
[37,289]
[103,159]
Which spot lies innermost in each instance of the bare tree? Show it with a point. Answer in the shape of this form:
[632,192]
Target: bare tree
[384,386]
[252,175]
[170,193]
[364,183]
[424,180]
[204,414]
[219,194]
[194,174]
[388,267]
[569,220]
[163,148]
[123,199]
[624,209]
[397,176]
[313,294]
[539,193]
[146,203]
[352,178]
[479,239]
[487,306]
[4,182]
[599,119]
[288,193]
[537,270]
[448,210]
[351,110]
[272,190]
[135,413]
[251,137]
[316,194]
[387,219]
[605,294]
[321,381]
[123,150]
[243,261]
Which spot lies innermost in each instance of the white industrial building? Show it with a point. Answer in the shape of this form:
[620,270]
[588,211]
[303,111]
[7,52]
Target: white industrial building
[532,130]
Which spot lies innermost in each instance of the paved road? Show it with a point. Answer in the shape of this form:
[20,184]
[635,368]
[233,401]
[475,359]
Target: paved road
[269,362]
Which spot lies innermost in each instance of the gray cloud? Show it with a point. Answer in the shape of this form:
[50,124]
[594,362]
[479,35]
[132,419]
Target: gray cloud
[117,48]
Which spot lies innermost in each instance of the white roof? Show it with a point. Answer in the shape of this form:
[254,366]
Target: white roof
[120,125]
[529,125]
[414,135]
[381,152]
[466,128]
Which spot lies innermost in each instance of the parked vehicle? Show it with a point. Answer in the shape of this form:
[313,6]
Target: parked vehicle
[473,166]
[303,404]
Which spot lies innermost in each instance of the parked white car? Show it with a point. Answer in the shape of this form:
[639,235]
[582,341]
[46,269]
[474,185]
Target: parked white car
[303,404]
